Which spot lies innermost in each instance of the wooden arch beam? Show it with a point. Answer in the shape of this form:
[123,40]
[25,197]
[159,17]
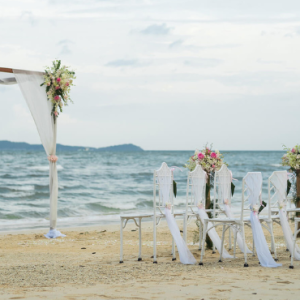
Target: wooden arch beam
[6,70]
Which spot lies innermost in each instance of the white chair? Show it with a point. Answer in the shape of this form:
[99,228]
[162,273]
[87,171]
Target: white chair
[222,194]
[279,213]
[251,189]
[162,178]
[197,181]
[297,221]
[137,218]
[273,193]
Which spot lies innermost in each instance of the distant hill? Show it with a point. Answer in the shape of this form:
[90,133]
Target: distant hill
[7,145]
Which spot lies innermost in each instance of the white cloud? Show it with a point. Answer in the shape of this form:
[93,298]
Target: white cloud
[154,72]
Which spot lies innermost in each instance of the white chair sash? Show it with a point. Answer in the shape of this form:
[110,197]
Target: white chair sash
[254,183]
[186,257]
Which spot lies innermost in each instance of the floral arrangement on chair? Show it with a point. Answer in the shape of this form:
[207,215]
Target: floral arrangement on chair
[292,158]
[58,82]
[208,159]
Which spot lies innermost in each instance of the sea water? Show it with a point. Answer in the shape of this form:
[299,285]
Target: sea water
[96,187]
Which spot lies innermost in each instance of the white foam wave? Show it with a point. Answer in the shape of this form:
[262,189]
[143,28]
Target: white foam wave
[44,168]
[276,165]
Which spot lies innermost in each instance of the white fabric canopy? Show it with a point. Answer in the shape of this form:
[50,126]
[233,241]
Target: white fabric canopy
[165,183]
[253,181]
[40,109]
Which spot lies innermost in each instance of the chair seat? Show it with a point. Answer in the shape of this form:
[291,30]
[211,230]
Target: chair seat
[276,210]
[133,216]
[293,210]
[236,220]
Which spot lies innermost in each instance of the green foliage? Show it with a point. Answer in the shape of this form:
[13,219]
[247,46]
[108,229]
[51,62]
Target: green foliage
[264,204]
[232,189]
[174,188]
[289,185]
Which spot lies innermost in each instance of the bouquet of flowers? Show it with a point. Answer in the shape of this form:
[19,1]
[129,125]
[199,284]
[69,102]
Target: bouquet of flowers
[58,82]
[209,160]
[292,158]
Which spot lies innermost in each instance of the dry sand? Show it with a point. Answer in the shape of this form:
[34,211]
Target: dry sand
[85,265]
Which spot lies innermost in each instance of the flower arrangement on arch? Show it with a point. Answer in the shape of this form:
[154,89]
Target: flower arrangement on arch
[58,82]
[208,159]
[292,158]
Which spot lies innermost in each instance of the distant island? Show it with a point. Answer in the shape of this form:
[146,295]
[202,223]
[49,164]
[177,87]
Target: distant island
[7,145]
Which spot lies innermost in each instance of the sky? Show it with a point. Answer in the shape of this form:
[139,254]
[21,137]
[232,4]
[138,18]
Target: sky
[163,74]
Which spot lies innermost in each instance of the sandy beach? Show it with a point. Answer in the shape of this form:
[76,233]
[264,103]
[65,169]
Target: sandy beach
[85,265]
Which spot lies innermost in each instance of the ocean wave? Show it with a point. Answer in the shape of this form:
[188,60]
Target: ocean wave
[44,168]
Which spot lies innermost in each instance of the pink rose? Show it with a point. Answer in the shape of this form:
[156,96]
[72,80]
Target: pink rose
[208,151]
[67,83]
[58,79]
[55,113]
[213,155]
[213,166]
[52,158]
[293,150]
[200,155]
[56,98]
[57,88]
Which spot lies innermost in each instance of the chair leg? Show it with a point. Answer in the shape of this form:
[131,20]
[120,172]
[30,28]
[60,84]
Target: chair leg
[244,245]
[154,241]
[235,238]
[229,239]
[185,227]
[200,235]
[294,246]
[173,249]
[222,243]
[121,242]
[273,245]
[140,240]
[203,244]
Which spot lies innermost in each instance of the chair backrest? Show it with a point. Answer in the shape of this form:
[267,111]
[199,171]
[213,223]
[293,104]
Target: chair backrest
[277,188]
[251,191]
[163,183]
[195,190]
[222,187]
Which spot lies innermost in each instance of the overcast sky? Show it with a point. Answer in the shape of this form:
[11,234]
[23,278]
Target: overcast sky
[163,74]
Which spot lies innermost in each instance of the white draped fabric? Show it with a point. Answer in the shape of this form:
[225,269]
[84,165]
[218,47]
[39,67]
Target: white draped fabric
[40,109]
[279,180]
[253,181]
[224,196]
[198,189]
[165,183]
